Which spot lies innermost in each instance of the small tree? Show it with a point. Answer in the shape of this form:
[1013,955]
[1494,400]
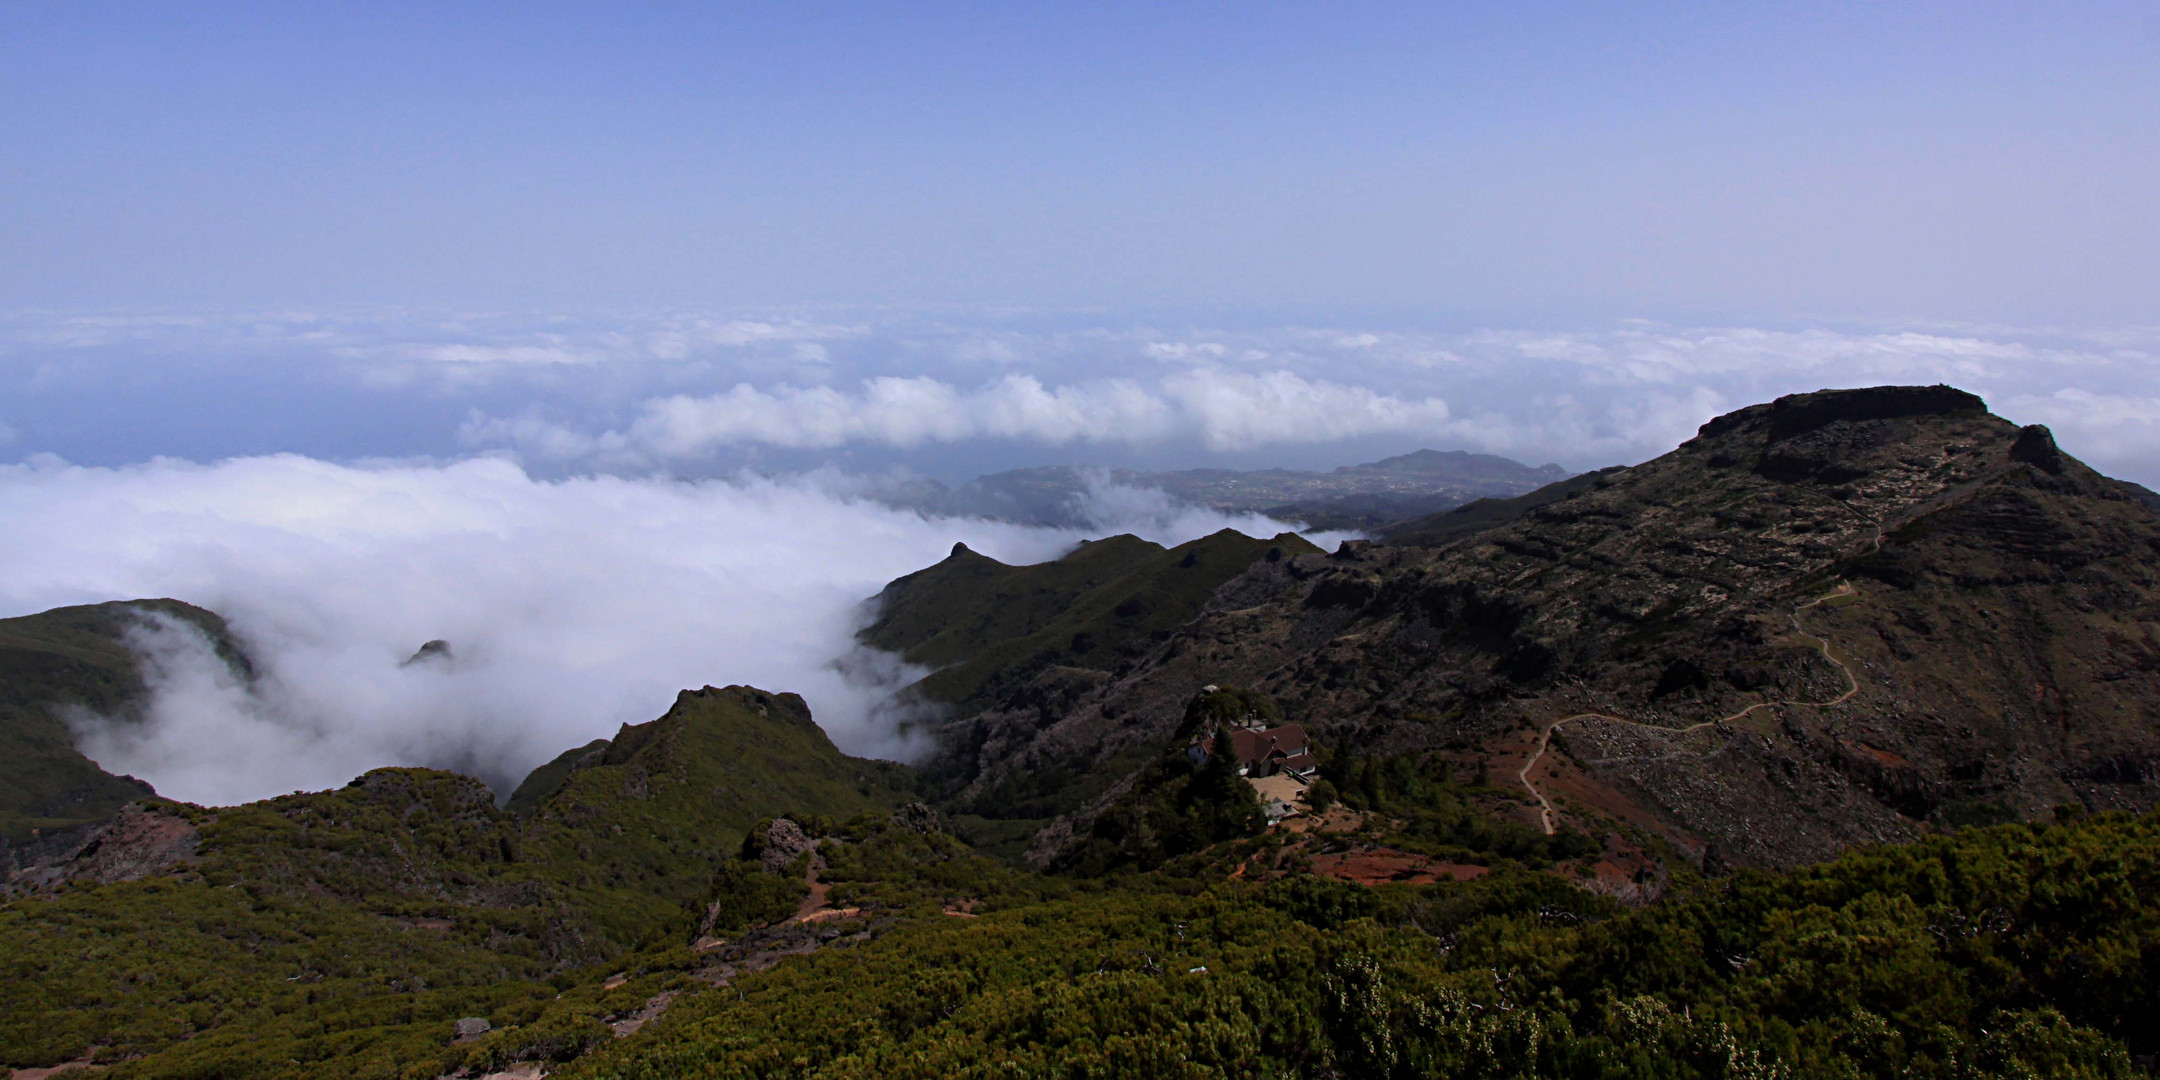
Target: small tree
[1320,796]
[1217,801]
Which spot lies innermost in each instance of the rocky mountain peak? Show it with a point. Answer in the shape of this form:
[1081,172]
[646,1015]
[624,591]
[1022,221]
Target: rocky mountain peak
[2035,446]
[1796,414]
[1829,619]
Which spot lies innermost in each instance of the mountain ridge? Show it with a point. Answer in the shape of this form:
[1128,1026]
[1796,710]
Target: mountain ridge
[1662,593]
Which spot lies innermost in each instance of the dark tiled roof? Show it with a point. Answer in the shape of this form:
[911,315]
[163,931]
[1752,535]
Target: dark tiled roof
[1258,747]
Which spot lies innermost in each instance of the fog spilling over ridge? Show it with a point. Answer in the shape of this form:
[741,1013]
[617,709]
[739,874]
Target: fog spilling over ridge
[569,606]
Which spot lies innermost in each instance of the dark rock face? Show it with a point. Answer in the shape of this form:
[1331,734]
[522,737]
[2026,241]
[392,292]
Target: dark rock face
[1998,644]
[1795,414]
[436,651]
[2035,446]
[138,843]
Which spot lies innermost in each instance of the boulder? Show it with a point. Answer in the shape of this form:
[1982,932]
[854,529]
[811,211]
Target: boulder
[776,843]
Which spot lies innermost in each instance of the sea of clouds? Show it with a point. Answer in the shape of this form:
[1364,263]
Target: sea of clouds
[570,606]
[597,510]
[954,394]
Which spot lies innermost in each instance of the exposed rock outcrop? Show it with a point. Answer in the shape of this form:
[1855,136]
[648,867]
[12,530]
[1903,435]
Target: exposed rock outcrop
[138,843]
[776,843]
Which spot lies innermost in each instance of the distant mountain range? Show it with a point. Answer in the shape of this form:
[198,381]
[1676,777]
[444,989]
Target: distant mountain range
[1351,497]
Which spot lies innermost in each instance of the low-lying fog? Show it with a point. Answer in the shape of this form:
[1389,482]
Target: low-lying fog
[570,607]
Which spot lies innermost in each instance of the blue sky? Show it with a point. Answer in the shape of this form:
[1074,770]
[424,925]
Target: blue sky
[1494,163]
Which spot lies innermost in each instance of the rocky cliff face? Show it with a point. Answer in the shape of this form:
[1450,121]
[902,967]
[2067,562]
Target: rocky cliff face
[1834,618]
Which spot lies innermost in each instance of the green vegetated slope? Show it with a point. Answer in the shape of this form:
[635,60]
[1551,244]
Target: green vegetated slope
[677,793]
[1027,637]
[2012,951]
[542,782]
[342,929]
[2021,950]
[988,628]
[73,657]
[314,928]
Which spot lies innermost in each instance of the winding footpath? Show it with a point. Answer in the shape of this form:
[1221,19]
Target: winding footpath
[1852,686]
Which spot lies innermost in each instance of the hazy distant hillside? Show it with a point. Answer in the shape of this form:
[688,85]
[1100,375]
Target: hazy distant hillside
[1351,497]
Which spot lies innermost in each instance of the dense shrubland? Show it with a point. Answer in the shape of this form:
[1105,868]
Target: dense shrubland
[344,933]
[2017,950]
[2013,950]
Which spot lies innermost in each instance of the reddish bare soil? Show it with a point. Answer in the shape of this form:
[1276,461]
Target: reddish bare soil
[816,901]
[1586,798]
[1337,819]
[1384,866]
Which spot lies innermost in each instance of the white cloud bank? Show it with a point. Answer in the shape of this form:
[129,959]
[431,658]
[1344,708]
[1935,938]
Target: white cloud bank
[1224,410]
[571,607]
[696,392]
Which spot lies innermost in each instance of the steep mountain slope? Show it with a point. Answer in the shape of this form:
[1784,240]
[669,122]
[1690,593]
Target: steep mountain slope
[73,658]
[989,628]
[544,780]
[1651,649]
[1035,638]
